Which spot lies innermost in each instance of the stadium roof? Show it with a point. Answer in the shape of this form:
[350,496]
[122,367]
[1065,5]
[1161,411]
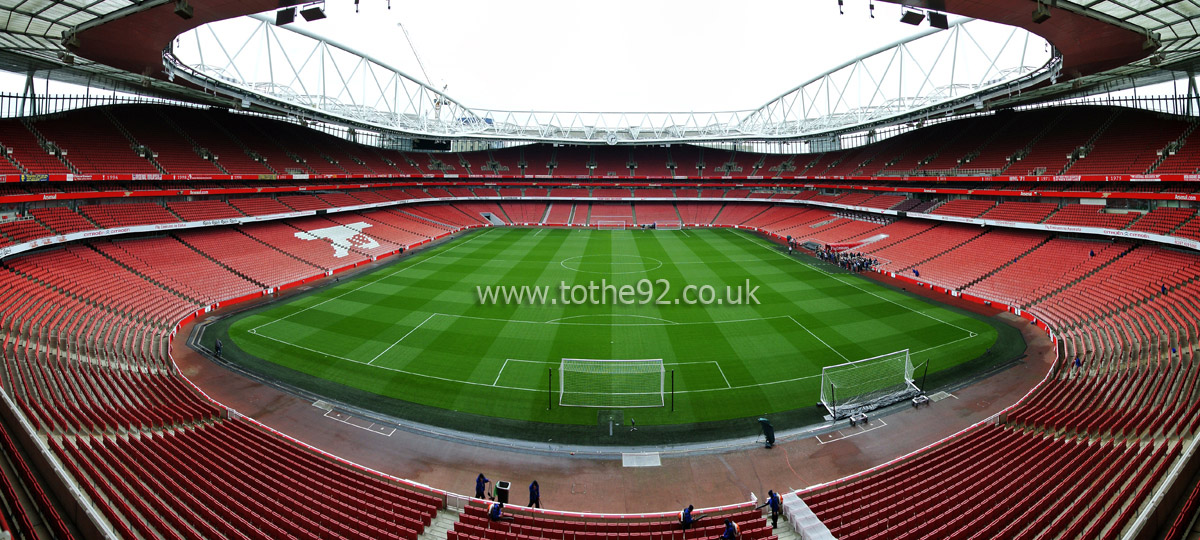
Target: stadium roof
[1105,44]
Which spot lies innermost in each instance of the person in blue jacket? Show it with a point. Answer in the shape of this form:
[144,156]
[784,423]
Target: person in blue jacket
[497,513]
[775,504]
[685,518]
[535,495]
[732,531]
[481,483]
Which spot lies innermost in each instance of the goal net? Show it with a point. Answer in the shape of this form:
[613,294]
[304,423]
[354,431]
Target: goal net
[667,225]
[863,385]
[611,383]
[611,225]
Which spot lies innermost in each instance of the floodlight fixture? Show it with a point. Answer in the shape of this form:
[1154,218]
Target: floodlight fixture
[938,20]
[285,16]
[912,16]
[312,13]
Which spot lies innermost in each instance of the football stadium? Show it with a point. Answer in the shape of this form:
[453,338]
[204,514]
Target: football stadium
[370,269]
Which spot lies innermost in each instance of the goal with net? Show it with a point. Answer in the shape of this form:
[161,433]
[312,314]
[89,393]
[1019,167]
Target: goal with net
[667,225]
[860,386]
[611,225]
[611,383]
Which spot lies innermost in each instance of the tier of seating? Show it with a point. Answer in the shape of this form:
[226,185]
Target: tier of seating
[1163,220]
[312,249]
[244,256]
[898,257]
[1044,270]
[580,214]
[23,230]
[968,208]
[558,213]
[958,267]
[203,210]
[52,220]
[61,220]
[1091,215]
[1028,212]
[520,212]
[610,213]
[1000,482]
[167,262]
[192,141]
[172,150]
[108,216]
[94,143]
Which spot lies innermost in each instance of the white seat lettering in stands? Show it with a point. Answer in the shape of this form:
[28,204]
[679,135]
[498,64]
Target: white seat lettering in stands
[342,237]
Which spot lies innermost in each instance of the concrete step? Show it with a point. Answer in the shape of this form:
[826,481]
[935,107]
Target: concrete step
[442,523]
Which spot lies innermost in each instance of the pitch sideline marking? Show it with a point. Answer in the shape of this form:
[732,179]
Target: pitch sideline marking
[414,329]
[381,278]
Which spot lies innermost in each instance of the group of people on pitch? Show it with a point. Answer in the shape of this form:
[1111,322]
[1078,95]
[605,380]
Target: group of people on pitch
[854,262]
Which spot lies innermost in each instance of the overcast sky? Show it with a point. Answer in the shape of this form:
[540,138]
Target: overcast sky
[617,55]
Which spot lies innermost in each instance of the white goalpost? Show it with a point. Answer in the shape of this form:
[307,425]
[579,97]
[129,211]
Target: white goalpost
[667,225]
[610,225]
[611,383]
[863,385]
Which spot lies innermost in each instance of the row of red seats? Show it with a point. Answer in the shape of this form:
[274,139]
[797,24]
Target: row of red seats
[960,266]
[934,241]
[474,524]
[1027,212]
[1056,264]
[246,257]
[109,216]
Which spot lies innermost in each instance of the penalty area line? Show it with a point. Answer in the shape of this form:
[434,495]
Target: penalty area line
[501,372]
[810,332]
[397,370]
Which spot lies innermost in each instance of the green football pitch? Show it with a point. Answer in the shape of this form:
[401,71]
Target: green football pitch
[417,330]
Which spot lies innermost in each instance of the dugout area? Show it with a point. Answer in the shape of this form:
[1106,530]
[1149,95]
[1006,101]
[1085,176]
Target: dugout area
[588,427]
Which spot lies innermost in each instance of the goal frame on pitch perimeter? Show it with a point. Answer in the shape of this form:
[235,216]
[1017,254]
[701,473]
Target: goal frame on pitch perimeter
[902,386]
[656,368]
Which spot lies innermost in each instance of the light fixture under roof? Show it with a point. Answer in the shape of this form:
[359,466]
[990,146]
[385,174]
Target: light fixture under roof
[912,16]
[312,13]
